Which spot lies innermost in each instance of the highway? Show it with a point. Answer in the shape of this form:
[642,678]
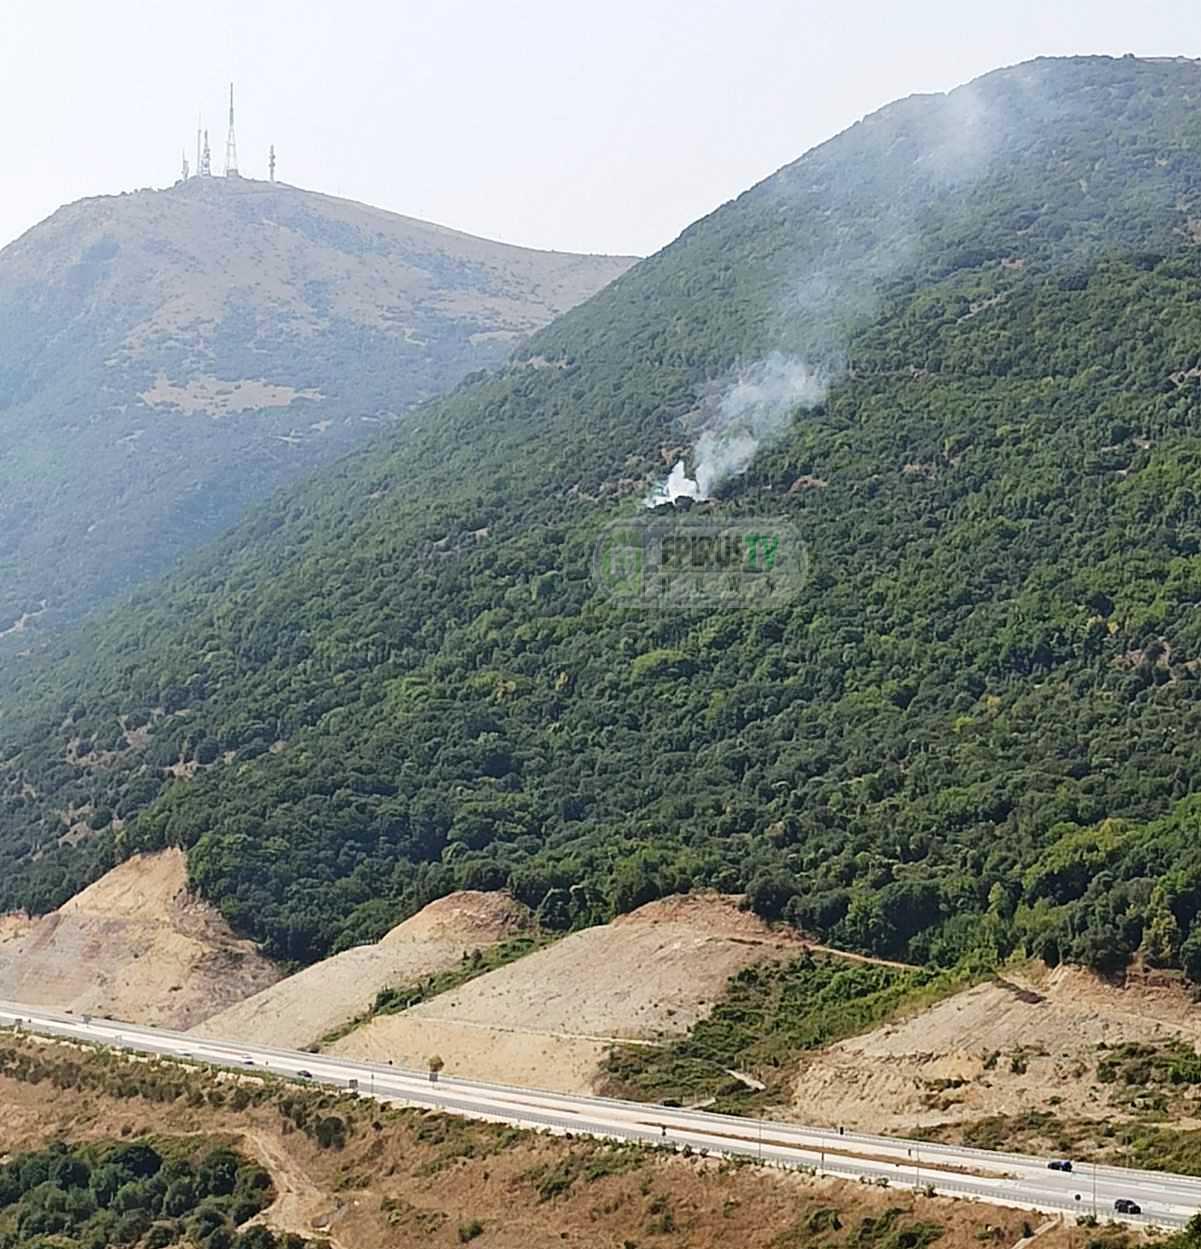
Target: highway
[1000,1178]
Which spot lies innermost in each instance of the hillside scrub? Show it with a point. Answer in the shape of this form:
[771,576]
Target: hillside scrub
[768,1017]
[149,394]
[153,1193]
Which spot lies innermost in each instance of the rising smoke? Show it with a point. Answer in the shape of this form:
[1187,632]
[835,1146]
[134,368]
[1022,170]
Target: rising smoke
[754,411]
[910,162]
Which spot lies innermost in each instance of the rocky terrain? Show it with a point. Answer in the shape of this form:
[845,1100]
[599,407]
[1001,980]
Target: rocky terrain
[1030,1040]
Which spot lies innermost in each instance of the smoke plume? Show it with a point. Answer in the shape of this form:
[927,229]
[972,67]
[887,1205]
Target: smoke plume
[753,411]
[856,212]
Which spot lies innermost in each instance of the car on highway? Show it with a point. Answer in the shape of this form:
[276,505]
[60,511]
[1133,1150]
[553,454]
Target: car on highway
[1124,1205]
[1060,1164]
[305,1075]
[248,1061]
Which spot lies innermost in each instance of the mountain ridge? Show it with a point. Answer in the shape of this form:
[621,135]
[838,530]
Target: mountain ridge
[167,357]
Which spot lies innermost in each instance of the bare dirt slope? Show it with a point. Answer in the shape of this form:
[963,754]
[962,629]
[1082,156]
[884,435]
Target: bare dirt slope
[1030,1040]
[303,1008]
[548,1019]
[135,945]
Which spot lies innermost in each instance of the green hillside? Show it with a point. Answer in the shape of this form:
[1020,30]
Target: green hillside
[401,678]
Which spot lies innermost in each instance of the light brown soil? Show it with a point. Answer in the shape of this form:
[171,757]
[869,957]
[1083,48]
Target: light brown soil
[408,1179]
[464,917]
[547,1019]
[954,1061]
[216,398]
[136,945]
[305,1007]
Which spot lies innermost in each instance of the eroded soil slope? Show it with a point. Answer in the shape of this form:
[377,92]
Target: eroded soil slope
[548,1019]
[1030,1040]
[303,1008]
[135,945]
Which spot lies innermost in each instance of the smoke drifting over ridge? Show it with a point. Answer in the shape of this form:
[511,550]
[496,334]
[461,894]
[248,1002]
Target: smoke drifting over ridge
[754,411]
[864,207]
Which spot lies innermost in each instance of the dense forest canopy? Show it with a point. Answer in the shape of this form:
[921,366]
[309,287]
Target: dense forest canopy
[972,730]
[152,1193]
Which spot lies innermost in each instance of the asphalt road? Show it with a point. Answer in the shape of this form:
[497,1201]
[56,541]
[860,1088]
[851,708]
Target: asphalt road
[1001,1178]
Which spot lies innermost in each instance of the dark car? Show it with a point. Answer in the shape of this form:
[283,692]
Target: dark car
[1060,1164]
[305,1075]
[1124,1205]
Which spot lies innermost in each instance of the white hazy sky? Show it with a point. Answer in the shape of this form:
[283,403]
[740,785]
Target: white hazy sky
[553,123]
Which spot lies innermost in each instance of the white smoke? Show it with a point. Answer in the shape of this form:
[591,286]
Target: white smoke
[754,411]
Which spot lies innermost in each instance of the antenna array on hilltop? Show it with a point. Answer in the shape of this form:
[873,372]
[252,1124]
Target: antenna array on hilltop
[204,159]
[231,143]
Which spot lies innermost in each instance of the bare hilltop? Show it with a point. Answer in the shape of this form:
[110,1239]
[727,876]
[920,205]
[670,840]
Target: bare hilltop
[168,357]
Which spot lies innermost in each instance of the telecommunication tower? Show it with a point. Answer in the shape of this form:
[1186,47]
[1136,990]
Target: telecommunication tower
[271,162]
[183,177]
[231,143]
[206,159]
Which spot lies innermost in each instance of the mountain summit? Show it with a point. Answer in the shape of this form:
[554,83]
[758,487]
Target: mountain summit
[167,357]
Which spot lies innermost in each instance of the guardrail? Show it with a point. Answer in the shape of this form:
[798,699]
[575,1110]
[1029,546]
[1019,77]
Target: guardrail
[445,1092]
[930,1149]
[940,1184]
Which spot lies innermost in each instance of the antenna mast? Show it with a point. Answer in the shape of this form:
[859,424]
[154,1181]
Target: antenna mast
[231,143]
[206,158]
[183,177]
[271,162]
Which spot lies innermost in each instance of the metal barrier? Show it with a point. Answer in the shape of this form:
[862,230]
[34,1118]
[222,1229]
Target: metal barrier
[443,1096]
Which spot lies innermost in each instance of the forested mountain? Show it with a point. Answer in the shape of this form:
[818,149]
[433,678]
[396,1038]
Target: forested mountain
[169,357]
[974,726]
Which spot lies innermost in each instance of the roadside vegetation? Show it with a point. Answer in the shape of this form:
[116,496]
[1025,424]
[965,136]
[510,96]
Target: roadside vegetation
[324,1116]
[1151,1089]
[153,1193]
[769,1017]
[1188,1238]
[1144,1143]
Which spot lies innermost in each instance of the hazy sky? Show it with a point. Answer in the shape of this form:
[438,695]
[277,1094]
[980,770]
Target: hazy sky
[554,123]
